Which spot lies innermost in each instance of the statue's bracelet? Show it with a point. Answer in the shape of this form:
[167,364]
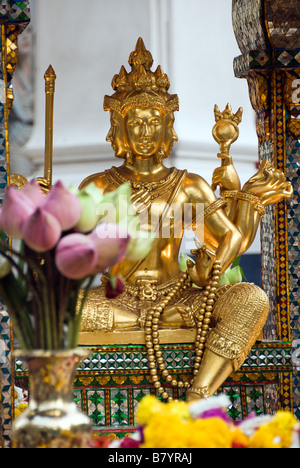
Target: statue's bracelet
[248,197]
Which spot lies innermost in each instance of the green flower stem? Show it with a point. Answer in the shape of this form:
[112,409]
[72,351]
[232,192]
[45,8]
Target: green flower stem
[29,284]
[62,303]
[37,306]
[39,289]
[47,324]
[51,298]
[8,251]
[70,334]
[21,321]
[78,317]
[32,283]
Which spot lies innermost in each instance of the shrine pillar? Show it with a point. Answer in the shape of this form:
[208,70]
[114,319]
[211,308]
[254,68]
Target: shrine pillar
[268,35]
[14,17]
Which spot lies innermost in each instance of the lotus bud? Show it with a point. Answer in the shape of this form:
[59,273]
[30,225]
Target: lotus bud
[89,198]
[96,195]
[41,231]
[231,276]
[95,192]
[115,206]
[111,243]
[16,209]
[140,243]
[33,191]
[64,205]
[88,219]
[223,279]
[76,256]
[234,275]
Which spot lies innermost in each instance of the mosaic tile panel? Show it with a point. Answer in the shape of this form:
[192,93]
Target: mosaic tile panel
[16,15]
[5,350]
[293,215]
[15,12]
[6,378]
[96,407]
[253,60]
[289,58]
[280,40]
[281,210]
[247,25]
[267,24]
[3,171]
[111,382]
[283,22]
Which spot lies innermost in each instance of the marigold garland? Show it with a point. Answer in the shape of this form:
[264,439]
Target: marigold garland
[206,424]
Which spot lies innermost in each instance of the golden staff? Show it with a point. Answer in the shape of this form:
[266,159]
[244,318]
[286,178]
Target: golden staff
[46,181]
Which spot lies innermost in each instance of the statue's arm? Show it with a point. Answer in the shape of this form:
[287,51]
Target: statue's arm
[99,179]
[266,187]
[226,178]
[221,237]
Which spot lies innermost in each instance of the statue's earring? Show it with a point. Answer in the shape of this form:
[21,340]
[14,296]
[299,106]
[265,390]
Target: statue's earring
[129,157]
[160,155]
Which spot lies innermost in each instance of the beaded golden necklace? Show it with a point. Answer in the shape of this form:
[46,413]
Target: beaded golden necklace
[155,356]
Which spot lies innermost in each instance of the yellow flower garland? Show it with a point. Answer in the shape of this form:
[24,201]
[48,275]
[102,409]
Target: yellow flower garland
[170,425]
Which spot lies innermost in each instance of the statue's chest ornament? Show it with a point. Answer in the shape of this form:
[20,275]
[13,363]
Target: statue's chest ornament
[144,193]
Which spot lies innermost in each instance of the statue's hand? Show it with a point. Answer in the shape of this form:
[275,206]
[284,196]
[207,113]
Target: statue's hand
[269,184]
[177,315]
[226,176]
[200,271]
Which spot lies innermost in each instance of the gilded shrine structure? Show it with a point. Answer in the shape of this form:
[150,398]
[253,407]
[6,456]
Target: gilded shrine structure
[268,35]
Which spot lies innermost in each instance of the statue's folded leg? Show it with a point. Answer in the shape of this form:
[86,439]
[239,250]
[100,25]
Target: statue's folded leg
[237,320]
[105,315]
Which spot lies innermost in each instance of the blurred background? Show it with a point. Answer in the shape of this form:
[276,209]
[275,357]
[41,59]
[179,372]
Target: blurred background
[86,42]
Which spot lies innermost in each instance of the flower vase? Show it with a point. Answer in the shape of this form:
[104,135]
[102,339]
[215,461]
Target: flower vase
[52,418]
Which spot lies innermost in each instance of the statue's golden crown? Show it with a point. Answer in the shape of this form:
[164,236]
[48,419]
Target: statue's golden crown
[141,87]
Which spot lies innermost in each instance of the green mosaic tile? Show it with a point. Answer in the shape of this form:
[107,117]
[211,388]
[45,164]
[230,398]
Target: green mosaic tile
[110,384]
[96,406]
[15,12]
[119,409]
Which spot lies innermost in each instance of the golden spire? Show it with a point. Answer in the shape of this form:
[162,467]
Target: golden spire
[140,56]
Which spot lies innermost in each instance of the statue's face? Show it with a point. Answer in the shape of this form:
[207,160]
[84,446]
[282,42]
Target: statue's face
[116,134]
[170,135]
[145,131]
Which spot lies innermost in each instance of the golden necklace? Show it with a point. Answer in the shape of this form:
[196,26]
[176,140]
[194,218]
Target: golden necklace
[155,355]
[162,185]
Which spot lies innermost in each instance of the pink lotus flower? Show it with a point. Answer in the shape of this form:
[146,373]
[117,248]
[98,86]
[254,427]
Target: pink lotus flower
[64,205]
[33,191]
[111,243]
[16,209]
[76,256]
[41,231]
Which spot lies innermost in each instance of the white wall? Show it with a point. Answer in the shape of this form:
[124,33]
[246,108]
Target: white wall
[203,50]
[87,41]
